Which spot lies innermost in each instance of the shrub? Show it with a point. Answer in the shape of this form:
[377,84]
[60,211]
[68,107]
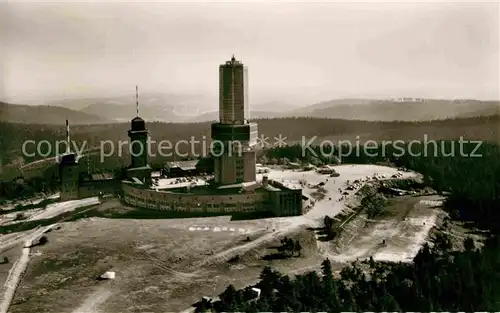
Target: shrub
[19,217]
[43,240]
[374,205]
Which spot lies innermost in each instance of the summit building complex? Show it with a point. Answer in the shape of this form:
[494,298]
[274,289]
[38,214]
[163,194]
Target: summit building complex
[234,187]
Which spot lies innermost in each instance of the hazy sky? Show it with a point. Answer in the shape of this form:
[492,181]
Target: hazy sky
[295,51]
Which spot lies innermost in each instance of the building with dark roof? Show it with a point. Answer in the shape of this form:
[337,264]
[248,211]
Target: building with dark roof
[181,169]
[68,174]
[284,199]
[91,185]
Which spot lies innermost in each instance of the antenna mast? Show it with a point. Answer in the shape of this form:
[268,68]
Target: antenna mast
[137,99]
[68,143]
[90,160]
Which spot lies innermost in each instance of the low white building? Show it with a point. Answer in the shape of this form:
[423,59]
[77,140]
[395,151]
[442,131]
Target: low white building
[108,275]
[262,170]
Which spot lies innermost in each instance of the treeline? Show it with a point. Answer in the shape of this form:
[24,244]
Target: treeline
[14,134]
[23,188]
[437,280]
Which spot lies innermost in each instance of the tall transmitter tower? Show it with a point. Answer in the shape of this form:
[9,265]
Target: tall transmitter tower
[235,158]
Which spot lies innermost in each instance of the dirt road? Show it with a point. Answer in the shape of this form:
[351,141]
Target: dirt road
[19,267]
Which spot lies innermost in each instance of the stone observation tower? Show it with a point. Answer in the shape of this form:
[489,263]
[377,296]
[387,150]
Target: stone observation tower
[138,146]
[235,157]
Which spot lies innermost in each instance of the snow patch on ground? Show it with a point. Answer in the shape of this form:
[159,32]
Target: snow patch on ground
[402,241]
[145,247]
[431,202]
[408,252]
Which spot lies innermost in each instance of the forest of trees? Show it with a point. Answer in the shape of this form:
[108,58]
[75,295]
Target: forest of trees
[480,128]
[21,188]
[438,279]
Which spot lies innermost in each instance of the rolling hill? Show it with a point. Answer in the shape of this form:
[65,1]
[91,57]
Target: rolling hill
[374,110]
[488,111]
[166,107]
[162,107]
[44,114]
[263,110]
[214,116]
[194,109]
[173,108]
[390,110]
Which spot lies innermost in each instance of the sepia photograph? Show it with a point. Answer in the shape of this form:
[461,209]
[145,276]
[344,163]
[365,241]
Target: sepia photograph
[249,156]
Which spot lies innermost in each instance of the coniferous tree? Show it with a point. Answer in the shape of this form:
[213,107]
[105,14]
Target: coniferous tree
[297,248]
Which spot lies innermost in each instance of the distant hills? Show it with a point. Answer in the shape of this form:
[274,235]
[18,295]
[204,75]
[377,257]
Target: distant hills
[194,109]
[162,107]
[263,110]
[398,110]
[214,116]
[43,114]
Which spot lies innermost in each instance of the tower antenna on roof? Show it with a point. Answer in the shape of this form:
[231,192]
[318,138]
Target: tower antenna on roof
[89,158]
[137,99]
[88,163]
[68,143]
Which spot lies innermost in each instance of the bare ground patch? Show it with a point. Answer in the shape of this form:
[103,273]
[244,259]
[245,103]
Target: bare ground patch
[165,265]
[394,236]
[156,263]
